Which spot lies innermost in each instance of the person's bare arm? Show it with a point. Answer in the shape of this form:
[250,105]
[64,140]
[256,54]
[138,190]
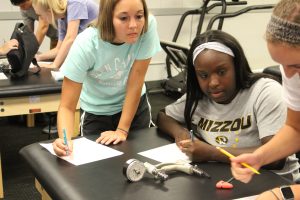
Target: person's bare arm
[275,194]
[200,151]
[274,150]
[63,50]
[171,127]
[60,52]
[7,46]
[288,134]
[41,30]
[66,114]
[49,55]
[133,94]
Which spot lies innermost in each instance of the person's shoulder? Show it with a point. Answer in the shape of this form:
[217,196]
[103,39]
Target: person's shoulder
[266,84]
[181,99]
[75,1]
[268,81]
[81,2]
[152,23]
[151,19]
[89,33]
[29,13]
[75,4]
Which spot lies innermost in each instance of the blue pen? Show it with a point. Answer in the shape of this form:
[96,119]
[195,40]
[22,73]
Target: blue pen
[66,141]
[192,135]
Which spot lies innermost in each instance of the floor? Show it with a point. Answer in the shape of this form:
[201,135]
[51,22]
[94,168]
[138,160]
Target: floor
[18,179]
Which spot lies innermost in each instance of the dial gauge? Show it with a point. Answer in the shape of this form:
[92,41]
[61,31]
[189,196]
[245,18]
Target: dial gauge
[134,170]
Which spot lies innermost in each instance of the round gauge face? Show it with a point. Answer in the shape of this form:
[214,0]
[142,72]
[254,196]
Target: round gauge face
[134,170]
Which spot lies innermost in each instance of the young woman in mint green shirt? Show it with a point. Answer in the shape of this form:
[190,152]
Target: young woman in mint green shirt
[105,69]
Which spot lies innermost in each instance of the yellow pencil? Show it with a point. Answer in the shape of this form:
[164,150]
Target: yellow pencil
[232,156]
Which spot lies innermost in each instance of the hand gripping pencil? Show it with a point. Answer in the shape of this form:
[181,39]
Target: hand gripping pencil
[66,141]
[232,156]
[192,135]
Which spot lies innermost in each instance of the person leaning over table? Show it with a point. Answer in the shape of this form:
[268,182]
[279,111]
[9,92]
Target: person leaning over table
[106,68]
[283,42]
[7,46]
[29,17]
[226,104]
[72,17]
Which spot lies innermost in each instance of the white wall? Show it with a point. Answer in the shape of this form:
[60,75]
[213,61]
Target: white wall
[248,29]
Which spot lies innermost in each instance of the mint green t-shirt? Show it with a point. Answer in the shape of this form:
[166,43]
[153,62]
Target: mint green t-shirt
[103,68]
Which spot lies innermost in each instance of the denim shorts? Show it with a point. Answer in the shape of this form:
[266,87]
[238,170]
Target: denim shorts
[91,124]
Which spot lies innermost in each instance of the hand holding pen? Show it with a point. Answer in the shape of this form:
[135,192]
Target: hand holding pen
[183,134]
[243,163]
[61,146]
[192,135]
[188,144]
[66,142]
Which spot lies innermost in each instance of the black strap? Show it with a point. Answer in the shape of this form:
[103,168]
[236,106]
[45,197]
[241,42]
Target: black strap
[37,69]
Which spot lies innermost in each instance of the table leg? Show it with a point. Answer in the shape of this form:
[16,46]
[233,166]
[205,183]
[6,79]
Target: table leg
[1,181]
[30,120]
[42,191]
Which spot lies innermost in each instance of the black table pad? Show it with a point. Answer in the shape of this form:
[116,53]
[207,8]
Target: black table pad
[31,84]
[104,179]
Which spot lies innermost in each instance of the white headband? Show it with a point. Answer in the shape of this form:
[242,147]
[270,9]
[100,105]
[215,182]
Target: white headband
[217,46]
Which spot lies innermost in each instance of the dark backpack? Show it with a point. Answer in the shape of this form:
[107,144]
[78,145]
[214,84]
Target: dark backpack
[20,58]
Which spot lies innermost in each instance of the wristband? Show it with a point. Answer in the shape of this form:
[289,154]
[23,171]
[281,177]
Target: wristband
[274,194]
[124,131]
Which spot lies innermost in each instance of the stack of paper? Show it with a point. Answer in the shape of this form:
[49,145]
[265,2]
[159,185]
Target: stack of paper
[57,75]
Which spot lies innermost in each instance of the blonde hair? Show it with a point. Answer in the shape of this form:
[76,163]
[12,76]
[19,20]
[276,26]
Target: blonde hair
[105,19]
[284,26]
[288,10]
[56,7]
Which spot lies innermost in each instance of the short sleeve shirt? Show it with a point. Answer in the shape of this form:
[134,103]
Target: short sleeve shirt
[291,90]
[103,68]
[253,114]
[84,10]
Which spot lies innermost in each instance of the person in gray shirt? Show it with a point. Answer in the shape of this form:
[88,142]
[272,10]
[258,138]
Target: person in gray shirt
[29,17]
[226,105]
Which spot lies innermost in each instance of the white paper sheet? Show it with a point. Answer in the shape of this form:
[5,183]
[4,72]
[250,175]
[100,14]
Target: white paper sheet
[4,61]
[40,62]
[248,198]
[167,153]
[57,75]
[86,151]
[2,76]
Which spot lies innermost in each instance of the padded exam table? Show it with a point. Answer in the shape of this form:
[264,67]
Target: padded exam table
[35,93]
[104,179]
